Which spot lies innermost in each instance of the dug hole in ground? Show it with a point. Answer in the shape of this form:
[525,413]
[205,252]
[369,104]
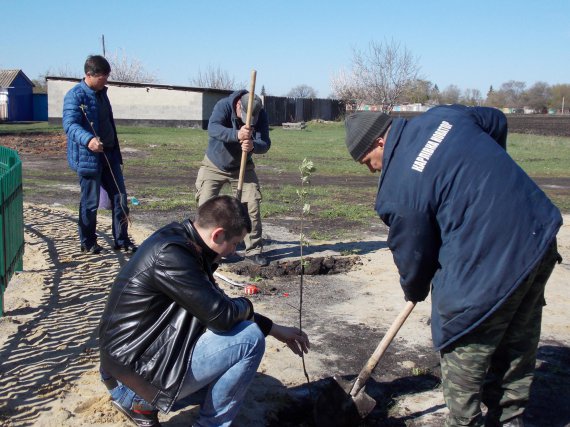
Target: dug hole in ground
[48,347]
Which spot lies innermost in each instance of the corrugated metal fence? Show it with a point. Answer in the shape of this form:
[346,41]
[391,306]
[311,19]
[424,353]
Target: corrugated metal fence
[284,110]
[11,218]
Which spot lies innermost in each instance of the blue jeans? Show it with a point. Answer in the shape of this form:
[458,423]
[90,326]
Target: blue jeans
[89,202]
[226,362]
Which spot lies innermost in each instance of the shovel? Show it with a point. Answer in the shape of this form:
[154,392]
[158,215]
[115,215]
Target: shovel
[248,123]
[345,403]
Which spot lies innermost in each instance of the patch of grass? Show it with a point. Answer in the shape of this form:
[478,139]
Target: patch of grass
[350,212]
[541,155]
[320,235]
[42,127]
[416,372]
[561,201]
[162,158]
[323,143]
[347,252]
[161,198]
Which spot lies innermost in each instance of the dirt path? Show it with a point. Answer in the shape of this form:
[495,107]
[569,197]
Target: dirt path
[48,375]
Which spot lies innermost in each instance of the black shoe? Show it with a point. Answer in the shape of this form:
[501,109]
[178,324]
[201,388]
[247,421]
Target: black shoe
[258,260]
[140,417]
[128,247]
[95,249]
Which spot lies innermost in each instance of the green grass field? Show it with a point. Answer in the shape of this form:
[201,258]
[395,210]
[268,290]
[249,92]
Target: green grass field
[167,157]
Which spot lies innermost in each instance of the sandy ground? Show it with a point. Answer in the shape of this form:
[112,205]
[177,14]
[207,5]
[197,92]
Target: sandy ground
[48,347]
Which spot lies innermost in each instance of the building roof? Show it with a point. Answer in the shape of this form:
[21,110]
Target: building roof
[148,85]
[7,77]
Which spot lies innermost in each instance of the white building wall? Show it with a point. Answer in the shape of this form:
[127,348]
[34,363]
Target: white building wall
[149,104]
[56,92]
[154,104]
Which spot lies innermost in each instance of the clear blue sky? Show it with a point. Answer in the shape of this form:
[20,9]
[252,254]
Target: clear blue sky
[471,44]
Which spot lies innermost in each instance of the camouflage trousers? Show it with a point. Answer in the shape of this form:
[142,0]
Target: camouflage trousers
[210,182]
[494,364]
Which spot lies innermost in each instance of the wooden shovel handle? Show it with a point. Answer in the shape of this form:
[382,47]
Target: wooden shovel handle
[382,347]
[248,123]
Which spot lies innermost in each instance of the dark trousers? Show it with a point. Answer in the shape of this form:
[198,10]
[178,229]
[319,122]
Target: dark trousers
[111,179]
[494,364]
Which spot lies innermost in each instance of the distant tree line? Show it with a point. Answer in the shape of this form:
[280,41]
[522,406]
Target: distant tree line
[383,74]
[540,97]
[386,74]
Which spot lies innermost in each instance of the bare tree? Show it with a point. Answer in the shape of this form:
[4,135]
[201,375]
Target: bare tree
[417,91]
[471,97]
[346,88]
[302,91]
[435,95]
[216,78]
[41,83]
[450,95]
[380,74]
[514,93]
[538,97]
[496,98]
[560,97]
[128,69]
[60,72]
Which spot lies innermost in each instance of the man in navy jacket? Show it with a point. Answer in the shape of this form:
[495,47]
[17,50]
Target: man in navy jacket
[228,137]
[466,222]
[93,152]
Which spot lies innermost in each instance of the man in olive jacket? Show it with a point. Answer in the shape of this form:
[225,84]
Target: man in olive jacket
[168,330]
[466,222]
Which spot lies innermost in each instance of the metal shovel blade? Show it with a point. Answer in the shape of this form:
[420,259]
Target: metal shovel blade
[335,407]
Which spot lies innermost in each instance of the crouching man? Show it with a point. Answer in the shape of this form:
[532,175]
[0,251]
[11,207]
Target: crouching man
[168,330]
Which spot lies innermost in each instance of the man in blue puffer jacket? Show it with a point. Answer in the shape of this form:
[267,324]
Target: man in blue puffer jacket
[93,152]
[466,222]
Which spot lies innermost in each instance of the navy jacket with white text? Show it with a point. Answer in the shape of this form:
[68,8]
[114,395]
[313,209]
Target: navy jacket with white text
[463,217]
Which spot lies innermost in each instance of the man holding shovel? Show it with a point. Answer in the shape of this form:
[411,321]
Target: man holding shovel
[467,223]
[228,137]
[168,331]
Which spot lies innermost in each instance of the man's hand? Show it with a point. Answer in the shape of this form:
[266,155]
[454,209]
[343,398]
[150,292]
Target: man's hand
[247,145]
[245,133]
[95,145]
[296,340]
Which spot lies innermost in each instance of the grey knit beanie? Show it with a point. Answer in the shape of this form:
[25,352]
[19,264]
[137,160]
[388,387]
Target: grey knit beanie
[257,106]
[362,128]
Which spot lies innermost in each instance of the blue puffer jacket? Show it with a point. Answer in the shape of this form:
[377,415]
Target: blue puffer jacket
[463,216]
[224,149]
[82,160]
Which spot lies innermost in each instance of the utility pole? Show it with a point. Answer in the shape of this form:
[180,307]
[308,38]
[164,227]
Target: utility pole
[103,43]
[562,105]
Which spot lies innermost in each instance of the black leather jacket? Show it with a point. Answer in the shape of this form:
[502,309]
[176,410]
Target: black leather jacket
[162,300]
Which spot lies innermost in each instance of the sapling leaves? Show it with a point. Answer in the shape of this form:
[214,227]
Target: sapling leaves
[307,168]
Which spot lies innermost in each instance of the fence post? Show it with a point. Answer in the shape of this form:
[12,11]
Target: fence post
[11,218]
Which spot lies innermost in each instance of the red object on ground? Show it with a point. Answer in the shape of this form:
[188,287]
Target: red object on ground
[286,294]
[251,289]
